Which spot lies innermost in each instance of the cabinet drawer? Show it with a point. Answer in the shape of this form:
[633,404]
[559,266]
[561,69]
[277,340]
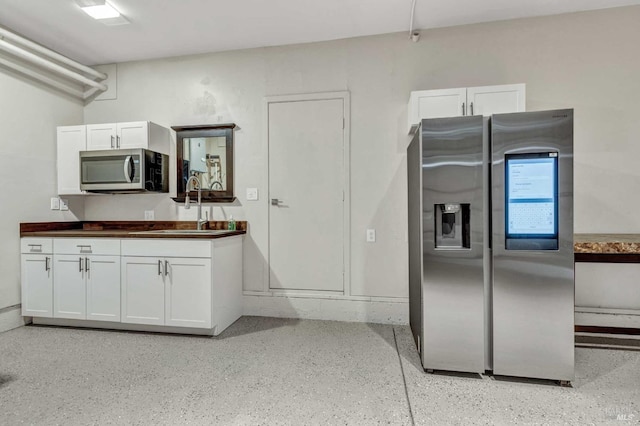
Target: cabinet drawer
[166,248]
[36,245]
[86,246]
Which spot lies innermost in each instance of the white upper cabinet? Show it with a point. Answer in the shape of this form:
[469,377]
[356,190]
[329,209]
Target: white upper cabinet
[92,137]
[484,100]
[490,100]
[436,104]
[101,136]
[71,140]
[135,134]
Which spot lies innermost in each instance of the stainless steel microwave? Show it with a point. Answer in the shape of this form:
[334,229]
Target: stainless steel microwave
[124,170]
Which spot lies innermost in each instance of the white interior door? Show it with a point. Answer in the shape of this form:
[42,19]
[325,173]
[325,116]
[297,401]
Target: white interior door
[306,194]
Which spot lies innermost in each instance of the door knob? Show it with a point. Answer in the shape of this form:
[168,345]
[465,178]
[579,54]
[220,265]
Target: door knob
[275,201]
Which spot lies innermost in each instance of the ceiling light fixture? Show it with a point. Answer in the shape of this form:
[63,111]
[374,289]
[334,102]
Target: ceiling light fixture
[103,11]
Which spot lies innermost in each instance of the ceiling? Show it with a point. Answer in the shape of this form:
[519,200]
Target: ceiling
[164,28]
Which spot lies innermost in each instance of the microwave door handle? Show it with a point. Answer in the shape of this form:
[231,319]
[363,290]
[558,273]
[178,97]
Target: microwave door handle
[129,168]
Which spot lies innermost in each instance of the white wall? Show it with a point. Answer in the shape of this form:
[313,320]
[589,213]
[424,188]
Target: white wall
[30,114]
[586,61]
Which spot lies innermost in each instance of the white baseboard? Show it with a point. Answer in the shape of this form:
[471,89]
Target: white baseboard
[381,312]
[607,320]
[11,318]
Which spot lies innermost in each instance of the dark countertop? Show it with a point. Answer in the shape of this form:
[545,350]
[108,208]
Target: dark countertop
[124,229]
[607,243]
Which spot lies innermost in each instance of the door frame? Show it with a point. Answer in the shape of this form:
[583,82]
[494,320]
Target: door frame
[346,190]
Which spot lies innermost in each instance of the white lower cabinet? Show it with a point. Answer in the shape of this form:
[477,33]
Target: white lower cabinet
[103,288]
[188,292]
[86,277]
[167,290]
[142,290]
[176,284]
[69,291]
[37,277]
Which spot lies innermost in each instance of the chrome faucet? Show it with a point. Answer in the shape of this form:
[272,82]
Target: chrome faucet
[187,203]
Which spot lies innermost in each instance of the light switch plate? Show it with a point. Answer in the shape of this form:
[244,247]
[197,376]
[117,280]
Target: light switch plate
[149,215]
[252,194]
[371,235]
[64,204]
[55,203]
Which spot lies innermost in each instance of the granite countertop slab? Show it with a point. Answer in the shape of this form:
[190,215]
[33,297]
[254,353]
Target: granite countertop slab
[124,229]
[607,243]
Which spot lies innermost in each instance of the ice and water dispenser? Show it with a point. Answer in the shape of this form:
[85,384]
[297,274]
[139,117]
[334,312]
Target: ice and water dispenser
[452,226]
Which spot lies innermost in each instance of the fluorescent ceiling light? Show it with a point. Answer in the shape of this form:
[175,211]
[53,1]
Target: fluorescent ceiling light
[104,11]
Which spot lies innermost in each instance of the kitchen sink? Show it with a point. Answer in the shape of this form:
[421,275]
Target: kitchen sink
[184,232]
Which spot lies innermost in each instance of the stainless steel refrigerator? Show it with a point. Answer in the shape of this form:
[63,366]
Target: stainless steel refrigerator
[491,244]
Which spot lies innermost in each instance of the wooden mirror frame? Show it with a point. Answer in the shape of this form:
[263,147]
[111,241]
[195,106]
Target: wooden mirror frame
[204,131]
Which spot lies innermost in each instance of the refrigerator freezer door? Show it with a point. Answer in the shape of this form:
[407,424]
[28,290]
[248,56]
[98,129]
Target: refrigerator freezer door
[452,238]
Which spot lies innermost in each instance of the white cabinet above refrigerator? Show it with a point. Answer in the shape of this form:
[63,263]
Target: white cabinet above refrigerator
[466,101]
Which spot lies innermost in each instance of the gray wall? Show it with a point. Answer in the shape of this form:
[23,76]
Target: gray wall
[587,61]
[30,114]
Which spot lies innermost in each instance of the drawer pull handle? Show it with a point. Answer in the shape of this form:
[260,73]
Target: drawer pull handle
[35,247]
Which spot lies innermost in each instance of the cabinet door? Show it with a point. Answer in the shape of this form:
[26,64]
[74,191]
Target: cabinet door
[133,135]
[103,288]
[188,292]
[489,100]
[101,136]
[37,285]
[69,288]
[436,104]
[142,280]
[70,141]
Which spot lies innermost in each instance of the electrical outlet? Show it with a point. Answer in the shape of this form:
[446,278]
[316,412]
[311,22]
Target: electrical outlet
[252,194]
[55,203]
[149,215]
[371,235]
[64,204]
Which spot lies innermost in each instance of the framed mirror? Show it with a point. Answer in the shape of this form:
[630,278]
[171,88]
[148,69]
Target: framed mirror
[206,152]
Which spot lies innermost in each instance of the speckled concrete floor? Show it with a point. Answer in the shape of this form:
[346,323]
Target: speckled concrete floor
[280,371]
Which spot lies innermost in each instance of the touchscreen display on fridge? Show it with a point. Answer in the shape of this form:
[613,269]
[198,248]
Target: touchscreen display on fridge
[531,201]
